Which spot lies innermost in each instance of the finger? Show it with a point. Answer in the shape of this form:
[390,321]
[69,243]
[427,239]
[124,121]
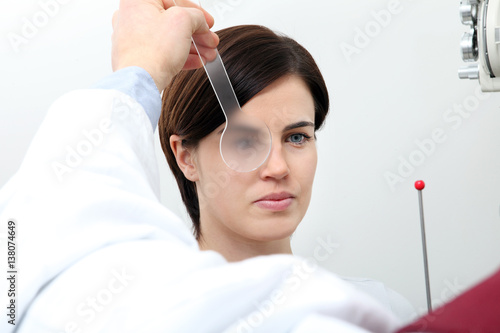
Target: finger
[186,3]
[187,20]
[207,53]
[114,20]
[209,39]
[192,50]
[193,61]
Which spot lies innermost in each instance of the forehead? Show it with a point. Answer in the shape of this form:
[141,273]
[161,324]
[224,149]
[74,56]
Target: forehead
[285,101]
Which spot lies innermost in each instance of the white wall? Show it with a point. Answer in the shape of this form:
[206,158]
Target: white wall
[398,89]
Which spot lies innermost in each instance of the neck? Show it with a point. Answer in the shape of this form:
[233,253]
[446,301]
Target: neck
[237,249]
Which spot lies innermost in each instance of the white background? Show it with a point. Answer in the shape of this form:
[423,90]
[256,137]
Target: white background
[399,88]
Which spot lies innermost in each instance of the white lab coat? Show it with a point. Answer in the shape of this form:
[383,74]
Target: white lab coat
[389,298]
[98,252]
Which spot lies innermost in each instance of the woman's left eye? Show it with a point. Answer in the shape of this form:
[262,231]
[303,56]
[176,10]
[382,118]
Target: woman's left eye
[298,138]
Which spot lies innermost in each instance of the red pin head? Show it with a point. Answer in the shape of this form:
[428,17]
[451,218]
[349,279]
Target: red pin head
[419,185]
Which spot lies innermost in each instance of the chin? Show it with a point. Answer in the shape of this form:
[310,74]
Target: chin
[273,232]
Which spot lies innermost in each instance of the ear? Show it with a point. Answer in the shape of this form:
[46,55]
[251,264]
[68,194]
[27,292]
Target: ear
[184,158]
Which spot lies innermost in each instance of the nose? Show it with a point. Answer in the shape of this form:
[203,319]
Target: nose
[276,165]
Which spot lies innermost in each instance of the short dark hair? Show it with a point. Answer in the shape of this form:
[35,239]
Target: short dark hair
[254,57]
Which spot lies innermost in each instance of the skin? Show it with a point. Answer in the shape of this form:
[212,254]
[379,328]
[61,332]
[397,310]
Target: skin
[145,31]
[232,223]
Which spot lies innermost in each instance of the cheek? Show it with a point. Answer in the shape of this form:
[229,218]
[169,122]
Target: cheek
[304,168]
[222,188]
[224,201]
[304,174]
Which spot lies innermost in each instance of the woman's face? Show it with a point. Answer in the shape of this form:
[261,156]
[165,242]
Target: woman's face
[268,203]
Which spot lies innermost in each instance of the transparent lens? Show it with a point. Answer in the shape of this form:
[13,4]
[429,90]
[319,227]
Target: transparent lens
[245,143]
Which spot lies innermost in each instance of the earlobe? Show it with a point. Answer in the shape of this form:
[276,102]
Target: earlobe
[184,158]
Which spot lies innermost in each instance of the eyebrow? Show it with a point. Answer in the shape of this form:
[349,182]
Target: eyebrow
[297,125]
[252,130]
[241,128]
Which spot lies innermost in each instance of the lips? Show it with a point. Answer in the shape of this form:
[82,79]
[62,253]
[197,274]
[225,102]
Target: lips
[275,201]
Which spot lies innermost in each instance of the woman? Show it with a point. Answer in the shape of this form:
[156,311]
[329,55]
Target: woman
[243,215]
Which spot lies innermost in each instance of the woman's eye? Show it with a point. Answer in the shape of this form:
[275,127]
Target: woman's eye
[298,138]
[243,144]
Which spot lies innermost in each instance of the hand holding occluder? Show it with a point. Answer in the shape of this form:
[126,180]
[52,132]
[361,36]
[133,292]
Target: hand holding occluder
[156,35]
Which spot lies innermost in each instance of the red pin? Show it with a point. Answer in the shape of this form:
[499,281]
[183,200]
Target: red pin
[420,185]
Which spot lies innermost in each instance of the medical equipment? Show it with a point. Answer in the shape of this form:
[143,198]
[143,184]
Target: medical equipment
[481,45]
[420,185]
[246,141]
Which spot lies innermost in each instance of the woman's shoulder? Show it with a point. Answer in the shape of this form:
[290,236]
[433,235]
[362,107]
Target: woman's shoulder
[388,297]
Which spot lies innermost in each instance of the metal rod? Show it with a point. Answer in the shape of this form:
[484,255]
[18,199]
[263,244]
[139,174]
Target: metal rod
[424,248]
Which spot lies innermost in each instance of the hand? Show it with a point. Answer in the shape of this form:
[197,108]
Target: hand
[156,35]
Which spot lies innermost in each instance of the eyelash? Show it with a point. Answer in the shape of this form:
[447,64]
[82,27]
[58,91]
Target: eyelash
[306,138]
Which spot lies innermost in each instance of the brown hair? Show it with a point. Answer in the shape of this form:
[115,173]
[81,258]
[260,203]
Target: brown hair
[254,57]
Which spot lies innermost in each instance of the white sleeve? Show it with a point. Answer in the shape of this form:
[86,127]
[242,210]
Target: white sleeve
[386,296]
[97,252]
[401,307]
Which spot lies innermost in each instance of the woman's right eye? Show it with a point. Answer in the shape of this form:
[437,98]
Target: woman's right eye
[244,143]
